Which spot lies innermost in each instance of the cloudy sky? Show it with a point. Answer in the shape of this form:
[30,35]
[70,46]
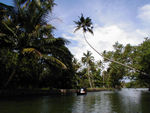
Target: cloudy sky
[125,21]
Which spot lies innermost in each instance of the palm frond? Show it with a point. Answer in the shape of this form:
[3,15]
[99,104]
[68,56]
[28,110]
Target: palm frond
[25,4]
[9,29]
[78,27]
[91,31]
[85,24]
[2,34]
[31,50]
[49,40]
[20,2]
[61,41]
[82,19]
[54,61]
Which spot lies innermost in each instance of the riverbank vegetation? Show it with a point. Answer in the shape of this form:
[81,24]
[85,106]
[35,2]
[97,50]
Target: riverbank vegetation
[32,57]
[116,75]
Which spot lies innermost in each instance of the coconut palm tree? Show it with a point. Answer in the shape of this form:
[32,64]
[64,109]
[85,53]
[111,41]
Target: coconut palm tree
[86,25]
[88,59]
[25,29]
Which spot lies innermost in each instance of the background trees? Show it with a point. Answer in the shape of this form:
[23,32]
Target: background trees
[143,62]
[87,59]
[115,71]
[89,71]
[134,56]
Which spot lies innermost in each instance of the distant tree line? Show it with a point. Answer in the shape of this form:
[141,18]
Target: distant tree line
[92,74]
[134,56]
[88,71]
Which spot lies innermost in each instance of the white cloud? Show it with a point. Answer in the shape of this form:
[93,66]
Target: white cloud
[144,13]
[103,39]
[120,24]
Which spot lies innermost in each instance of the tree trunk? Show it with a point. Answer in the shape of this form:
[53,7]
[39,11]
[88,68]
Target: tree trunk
[111,59]
[10,77]
[89,77]
[103,81]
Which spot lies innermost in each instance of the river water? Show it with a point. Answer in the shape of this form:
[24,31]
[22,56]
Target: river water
[123,101]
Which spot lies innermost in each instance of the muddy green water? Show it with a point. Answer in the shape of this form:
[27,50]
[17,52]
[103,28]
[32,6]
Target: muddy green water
[123,101]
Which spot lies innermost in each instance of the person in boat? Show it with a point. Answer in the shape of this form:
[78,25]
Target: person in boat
[81,91]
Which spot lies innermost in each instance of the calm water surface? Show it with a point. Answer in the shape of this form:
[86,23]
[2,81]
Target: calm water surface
[123,101]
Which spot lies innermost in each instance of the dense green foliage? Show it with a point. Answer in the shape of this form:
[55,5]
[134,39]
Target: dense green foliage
[92,74]
[88,72]
[30,56]
[143,62]
[115,71]
[137,57]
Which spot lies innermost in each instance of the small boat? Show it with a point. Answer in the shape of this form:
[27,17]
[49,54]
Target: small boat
[81,91]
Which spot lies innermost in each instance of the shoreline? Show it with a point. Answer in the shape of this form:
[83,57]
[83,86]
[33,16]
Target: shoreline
[45,92]
[99,89]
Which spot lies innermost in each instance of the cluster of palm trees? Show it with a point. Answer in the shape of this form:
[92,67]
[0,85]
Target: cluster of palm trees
[87,59]
[25,32]
[88,71]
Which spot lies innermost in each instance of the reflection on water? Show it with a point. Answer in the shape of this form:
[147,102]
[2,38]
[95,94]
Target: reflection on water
[123,101]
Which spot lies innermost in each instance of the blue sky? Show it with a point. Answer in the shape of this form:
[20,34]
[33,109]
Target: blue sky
[8,2]
[101,11]
[125,21]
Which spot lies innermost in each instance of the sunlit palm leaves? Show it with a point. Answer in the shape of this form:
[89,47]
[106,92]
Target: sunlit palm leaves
[31,50]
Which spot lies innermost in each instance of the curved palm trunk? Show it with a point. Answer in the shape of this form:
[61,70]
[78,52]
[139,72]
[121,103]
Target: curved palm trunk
[110,59]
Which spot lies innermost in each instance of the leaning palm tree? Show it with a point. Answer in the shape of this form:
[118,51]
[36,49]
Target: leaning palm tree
[87,59]
[86,25]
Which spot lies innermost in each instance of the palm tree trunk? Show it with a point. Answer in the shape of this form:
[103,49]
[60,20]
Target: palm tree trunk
[111,59]
[10,77]
[89,77]
[13,72]
[103,81]
[93,85]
